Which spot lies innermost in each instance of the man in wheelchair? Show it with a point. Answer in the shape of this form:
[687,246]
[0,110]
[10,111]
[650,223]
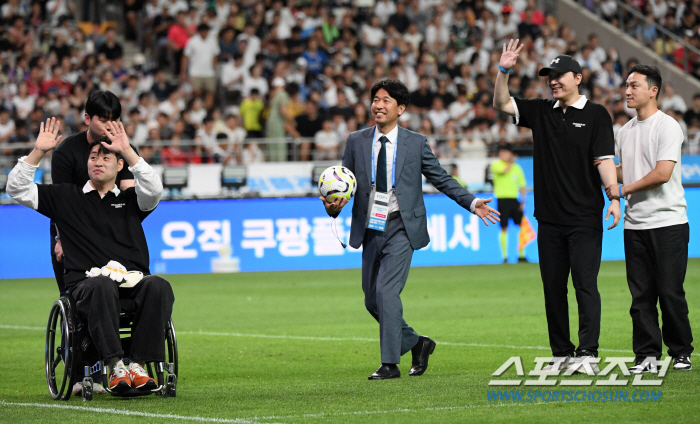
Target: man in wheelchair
[105,249]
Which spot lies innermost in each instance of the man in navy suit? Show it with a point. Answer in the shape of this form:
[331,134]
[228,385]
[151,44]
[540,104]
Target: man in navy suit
[389,219]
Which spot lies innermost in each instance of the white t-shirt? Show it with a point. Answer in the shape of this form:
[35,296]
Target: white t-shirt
[23,106]
[7,129]
[201,54]
[639,145]
[675,102]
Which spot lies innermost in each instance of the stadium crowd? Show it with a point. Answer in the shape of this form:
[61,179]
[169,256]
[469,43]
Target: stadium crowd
[275,80]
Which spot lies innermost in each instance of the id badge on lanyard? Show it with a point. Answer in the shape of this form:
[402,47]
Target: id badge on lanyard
[379,210]
[378,201]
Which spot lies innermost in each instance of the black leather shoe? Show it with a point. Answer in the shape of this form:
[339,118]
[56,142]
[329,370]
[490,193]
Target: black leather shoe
[385,372]
[421,351]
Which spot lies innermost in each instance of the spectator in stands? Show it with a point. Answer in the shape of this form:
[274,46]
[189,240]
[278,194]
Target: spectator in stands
[173,155]
[199,61]
[326,142]
[22,102]
[398,19]
[505,28]
[315,59]
[275,123]
[252,154]
[57,81]
[173,105]
[671,100]
[255,80]
[250,110]
[693,113]
[111,48]
[7,125]
[177,37]
[232,73]
[422,99]
[56,9]
[306,126]
[438,115]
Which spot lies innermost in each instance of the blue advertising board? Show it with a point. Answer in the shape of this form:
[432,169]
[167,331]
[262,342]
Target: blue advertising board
[690,169]
[283,234]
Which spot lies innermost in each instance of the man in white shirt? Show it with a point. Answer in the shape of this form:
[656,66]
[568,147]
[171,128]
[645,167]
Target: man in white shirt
[202,53]
[656,224]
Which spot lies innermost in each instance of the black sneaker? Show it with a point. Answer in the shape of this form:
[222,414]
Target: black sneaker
[522,259]
[644,365]
[682,363]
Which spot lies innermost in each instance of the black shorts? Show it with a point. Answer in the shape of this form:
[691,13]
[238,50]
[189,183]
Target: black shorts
[509,209]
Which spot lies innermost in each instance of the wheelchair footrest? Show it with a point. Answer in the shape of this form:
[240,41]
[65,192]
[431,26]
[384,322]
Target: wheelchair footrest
[133,392]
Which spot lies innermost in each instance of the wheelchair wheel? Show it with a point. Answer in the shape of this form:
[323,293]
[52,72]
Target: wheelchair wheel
[58,356]
[171,342]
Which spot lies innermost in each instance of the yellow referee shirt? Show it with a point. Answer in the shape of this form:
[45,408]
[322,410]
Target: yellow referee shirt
[508,179]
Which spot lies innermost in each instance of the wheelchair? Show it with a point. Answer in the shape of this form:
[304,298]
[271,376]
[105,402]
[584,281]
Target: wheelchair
[71,356]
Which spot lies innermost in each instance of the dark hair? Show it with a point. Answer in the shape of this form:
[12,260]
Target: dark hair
[652,73]
[103,150]
[506,146]
[396,89]
[103,104]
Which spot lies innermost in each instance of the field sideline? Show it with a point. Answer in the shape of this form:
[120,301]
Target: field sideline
[297,347]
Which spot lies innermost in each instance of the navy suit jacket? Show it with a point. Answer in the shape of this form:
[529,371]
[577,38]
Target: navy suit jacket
[413,158]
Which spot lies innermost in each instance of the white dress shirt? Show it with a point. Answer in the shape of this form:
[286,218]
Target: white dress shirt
[392,136]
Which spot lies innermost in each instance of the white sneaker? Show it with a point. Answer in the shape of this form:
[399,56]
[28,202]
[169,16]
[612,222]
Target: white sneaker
[578,364]
[644,366]
[682,363]
[558,364]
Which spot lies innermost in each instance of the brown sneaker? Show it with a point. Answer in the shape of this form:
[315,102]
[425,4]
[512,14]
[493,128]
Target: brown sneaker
[119,380]
[140,378]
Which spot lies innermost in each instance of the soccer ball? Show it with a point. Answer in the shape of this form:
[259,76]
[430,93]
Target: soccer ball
[337,181]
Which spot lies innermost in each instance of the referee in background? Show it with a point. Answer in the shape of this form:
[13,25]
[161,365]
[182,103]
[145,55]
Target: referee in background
[569,133]
[508,180]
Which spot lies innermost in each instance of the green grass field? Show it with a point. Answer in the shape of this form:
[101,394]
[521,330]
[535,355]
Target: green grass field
[297,347]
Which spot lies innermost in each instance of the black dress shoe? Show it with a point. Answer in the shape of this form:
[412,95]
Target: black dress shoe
[385,372]
[421,351]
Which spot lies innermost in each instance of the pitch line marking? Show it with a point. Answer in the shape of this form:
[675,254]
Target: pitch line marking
[364,339]
[326,339]
[133,413]
[394,411]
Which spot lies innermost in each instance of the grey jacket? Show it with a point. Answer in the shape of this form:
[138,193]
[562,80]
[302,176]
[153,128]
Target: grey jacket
[413,158]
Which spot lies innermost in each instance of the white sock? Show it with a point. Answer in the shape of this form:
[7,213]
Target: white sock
[115,362]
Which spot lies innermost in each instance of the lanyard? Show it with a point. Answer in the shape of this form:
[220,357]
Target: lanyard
[393,164]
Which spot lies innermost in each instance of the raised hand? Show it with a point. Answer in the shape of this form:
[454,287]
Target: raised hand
[116,134]
[510,54]
[484,211]
[47,140]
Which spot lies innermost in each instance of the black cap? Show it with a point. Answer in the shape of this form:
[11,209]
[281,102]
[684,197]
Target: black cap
[562,64]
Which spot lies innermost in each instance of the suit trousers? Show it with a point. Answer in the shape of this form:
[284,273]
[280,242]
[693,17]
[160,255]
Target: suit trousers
[97,301]
[656,262]
[386,260]
[565,249]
